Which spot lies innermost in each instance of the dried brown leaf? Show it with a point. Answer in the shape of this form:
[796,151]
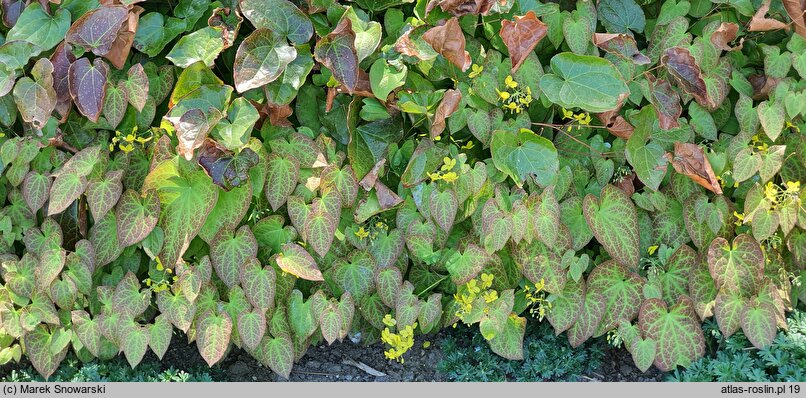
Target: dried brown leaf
[449,104]
[760,22]
[685,71]
[449,41]
[796,9]
[725,34]
[462,7]
[689,159]
[521,35]
[616,124]
[122,45]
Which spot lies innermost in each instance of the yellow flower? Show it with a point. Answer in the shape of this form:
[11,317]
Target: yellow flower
[793,187]
[771,192]
[503,95]
[567,114]
[468,145]
[160,267]
[450,177]
[486,280]
[426,344]
[389,321]
[651,250]
[361,233]
[475,70]
[448,163]
[435,176]
[510,82]
[739,218]
[490,296]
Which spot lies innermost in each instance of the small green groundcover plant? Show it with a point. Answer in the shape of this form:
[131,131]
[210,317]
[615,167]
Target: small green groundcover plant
[271,174]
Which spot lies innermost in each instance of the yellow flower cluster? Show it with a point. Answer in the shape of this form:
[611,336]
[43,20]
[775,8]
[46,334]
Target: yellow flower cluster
[126,143]
[758,144]
[536,299]
[163,283]
[779,194]
[581,119]
[445,173]
[514,99]
[470,291]
[399,342]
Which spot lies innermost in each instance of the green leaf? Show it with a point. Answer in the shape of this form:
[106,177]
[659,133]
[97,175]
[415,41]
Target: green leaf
[177,309]
[566,306]
[137,215]
[186,197]
[203,45]
[525,153]
[644,352]
[136,87]
[622,291]
[278,354]
[252,327]
[674,277]
[214,331]
[35,190]
[129,300]
[36,98]
[159,336]
[37,26]
[738,266]
[38,346]
[614,222]
[155,31]
[234,131]
[320,229]
[87,330]
[746,164]
[772,117]
[301,315]
[676,330]
[281,179]
[465,266]
[509,343]
[758,323]
[64,191]
[331,323]
[261,58]
[580,81]
[102,195]
[384,78]
[230,251]
[444,206]
[258,283]
[296,261]
[537,262]
[281,17]
[728,309]
[357,275]
[367,34]
[134,342]
[619,16]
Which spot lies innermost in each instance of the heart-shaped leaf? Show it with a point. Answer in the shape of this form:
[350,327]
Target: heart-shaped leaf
[675,329]
[614,222]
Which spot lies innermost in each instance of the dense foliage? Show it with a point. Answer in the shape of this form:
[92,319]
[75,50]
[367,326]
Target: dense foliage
[270,174]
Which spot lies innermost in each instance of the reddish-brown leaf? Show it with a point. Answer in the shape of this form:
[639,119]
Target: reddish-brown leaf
[622,45]
[685,71]
[689,159]
[521,35]
[462,7]
[12,10]
[796,9]
[627,184]
[337,52]
[123,42]
[98,29]
[449,41]
[667,103]
[363,88]
[449,104]
[226,169]
[760,22]
[762,85]
[616,124]
[61,59]
[228,22]
[725,34]
[87,84]
[371,178]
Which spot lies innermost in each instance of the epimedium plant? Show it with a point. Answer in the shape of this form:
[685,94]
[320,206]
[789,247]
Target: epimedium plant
[269,174]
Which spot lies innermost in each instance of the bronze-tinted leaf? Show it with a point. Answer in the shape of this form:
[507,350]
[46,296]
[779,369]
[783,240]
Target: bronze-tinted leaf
[449,104]
[725,34]
[87,84]
[689,159]
[684,69]
[36,98]
[521,35]
[122,45]
[337,52]
[449,41]
[620,44]
[760,22]
[462,7]
[797,12]
[61,59]
[227,169]
[667,103]
[97,30]
[12,10]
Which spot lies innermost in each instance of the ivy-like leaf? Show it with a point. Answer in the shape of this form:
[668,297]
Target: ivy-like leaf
[258,283]
[444,206]
[230,251]
[465,266]
[580,81]
[449,41]
[337,52]
[38,26]
[281,17]
[525,154]
[622,291]
[261,58]
[738,266]
[296,261]
[36,98]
